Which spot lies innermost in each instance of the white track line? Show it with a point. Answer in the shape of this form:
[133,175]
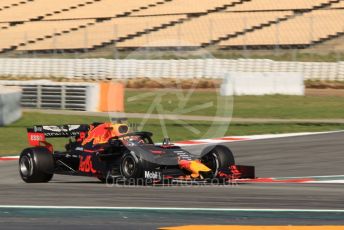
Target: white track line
[268,136]
[9,158]
[172,209]
[326,182]
[253,137]
[244,138]
[327,176]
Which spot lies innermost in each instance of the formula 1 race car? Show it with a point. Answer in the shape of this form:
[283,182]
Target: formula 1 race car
[109,151]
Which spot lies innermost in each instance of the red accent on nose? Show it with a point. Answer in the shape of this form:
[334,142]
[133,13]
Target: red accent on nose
[235,172]
[157,152]
[184,164]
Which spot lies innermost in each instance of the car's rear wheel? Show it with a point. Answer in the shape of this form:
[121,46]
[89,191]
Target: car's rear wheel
[217,158]
[36,165]
[130,169]
[129,166]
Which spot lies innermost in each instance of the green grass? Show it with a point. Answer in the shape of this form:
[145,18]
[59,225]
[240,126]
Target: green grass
[177,102]
[303,107]
[321,55]
[278,106]
[14,139]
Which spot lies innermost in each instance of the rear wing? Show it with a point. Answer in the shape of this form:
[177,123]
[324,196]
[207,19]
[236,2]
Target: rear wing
[39,133]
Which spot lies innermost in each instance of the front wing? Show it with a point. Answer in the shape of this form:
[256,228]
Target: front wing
[225,176]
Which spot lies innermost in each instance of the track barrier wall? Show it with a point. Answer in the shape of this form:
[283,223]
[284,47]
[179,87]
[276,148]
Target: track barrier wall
[268,83]
[100,69]
[10,109]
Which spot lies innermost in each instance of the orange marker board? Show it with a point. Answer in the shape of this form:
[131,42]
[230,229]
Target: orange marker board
[111,97]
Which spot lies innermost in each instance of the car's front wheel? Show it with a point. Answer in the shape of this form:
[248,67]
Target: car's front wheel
[217,158]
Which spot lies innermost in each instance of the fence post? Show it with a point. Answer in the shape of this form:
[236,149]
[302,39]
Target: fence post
[54,42]
[210,29]
[179,35]
[25,37]
[85,40]
[277,44]
[244,41]
[115,37]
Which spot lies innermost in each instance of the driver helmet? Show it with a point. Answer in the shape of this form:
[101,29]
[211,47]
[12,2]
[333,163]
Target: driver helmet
[135,140]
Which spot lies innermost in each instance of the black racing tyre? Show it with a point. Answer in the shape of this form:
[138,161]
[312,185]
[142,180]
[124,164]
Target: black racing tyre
[217,158]
[36,165]
[130,167]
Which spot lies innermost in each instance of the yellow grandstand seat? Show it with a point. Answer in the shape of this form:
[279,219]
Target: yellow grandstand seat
[204,29]
[302,29]
[102,32]
[104,8]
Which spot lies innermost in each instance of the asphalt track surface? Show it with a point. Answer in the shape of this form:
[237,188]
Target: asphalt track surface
[313,155]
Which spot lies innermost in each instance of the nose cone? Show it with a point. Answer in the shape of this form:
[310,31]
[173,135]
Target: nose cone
[195,167]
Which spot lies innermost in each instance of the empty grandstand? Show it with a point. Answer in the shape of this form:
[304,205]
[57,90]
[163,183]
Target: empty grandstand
[301,30]
[79,25]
